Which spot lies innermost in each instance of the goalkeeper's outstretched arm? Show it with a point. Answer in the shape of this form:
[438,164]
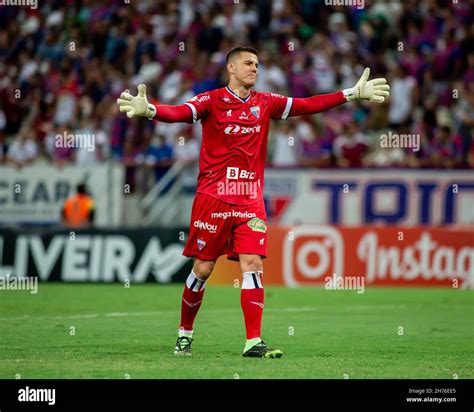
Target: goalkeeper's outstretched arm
[138,106]
[376,90]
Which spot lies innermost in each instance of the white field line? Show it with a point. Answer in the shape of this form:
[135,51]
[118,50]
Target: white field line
[149,313]
[168,312]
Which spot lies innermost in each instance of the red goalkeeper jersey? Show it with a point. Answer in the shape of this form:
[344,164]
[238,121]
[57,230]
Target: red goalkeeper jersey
[234,142]
[235,133]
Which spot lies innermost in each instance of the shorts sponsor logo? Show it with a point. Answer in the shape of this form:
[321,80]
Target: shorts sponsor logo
[201,243]
[233,213]
[257,225]
[205,226]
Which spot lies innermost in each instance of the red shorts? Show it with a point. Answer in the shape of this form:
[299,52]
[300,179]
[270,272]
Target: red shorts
[219,228]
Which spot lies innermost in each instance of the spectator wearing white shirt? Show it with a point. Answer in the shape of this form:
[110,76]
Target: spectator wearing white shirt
[150,70]
[285,148]
[171,85]
[403,92]
[186,150]
[23,150]
[277,78]
[95,149]
[28,67]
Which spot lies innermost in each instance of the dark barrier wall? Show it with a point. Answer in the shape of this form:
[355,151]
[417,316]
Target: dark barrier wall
[136,256]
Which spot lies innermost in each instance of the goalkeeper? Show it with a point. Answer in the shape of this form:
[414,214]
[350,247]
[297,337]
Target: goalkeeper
[235,122]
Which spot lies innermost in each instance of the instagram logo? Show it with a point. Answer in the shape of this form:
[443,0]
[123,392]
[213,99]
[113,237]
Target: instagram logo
[310,253]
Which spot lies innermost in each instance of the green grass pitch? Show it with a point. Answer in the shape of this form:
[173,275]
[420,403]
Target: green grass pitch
[110,331]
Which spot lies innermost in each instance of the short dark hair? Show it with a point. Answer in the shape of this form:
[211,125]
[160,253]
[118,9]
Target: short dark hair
[239,49]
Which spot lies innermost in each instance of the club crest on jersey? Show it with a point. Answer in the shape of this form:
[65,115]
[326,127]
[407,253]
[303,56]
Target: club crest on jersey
[201,243]
[255,110]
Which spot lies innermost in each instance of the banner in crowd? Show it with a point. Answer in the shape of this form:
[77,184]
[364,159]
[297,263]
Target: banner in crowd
[36,194]
[382,256]
[133,256]
[369,196]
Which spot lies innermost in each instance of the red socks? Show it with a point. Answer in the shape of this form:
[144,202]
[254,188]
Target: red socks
[251,300]
[192,299]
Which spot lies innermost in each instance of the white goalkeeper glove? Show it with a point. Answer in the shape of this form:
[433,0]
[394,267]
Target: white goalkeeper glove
[136,106]
[375,90]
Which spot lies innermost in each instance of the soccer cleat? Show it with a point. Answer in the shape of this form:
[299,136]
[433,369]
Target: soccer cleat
[183,346]
[261,350]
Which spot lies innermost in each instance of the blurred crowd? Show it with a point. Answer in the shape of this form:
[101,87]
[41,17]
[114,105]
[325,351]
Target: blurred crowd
[63,65]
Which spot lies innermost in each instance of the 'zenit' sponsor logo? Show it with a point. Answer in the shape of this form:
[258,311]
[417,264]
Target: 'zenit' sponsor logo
[205,226]
[236,129]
